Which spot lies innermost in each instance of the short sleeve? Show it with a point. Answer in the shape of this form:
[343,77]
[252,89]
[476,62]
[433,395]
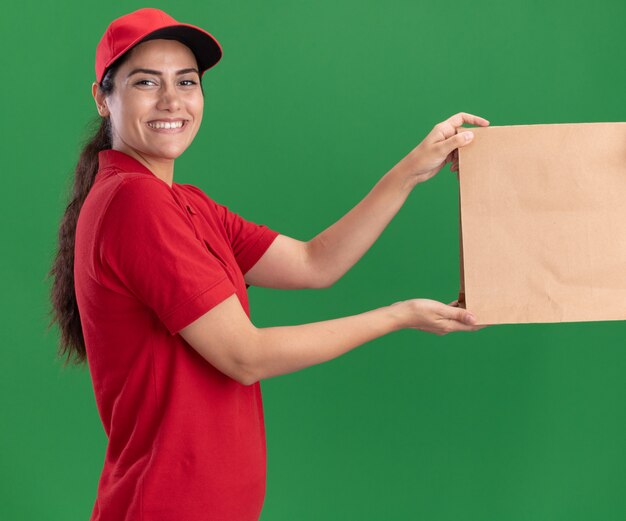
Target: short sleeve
[248,240]
[148,242]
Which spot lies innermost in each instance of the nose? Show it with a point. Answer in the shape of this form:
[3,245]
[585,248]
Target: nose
[169,98]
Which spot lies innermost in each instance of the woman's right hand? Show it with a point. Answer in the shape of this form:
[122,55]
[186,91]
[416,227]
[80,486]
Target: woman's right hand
[435,317]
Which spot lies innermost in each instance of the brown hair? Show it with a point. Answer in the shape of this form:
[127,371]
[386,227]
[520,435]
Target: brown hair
[62,295]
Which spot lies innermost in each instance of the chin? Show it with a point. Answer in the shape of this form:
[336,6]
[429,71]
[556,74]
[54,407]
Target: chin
[168,153]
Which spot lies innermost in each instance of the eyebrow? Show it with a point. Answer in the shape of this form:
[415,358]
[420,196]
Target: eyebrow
[159,73]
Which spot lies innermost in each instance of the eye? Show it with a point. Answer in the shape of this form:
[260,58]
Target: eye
[140,82]
[190,81]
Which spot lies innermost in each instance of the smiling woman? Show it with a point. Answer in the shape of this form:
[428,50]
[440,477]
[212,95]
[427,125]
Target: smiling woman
[151,278]
[156,106]
[133,267]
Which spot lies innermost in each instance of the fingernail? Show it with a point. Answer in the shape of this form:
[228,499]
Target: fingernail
[471,318]
[468,135]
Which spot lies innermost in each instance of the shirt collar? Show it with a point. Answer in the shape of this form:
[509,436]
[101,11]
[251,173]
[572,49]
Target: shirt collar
[120,161]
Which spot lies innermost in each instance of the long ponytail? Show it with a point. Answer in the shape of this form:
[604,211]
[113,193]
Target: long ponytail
[62,294]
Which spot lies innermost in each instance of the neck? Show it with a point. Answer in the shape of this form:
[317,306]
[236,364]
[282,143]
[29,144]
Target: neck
[161,167]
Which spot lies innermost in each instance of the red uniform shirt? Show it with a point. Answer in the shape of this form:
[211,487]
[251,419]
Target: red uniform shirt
[185,441]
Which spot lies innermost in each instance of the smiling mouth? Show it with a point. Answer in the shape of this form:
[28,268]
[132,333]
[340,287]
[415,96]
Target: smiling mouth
[168,127]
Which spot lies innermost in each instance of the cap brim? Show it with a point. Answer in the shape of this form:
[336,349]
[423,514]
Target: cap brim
[204,46]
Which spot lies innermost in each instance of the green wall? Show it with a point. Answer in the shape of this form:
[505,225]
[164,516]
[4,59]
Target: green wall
[311,104]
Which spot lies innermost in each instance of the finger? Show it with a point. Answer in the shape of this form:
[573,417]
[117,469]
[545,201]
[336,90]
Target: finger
[461,315]
[447,128]
[457,140]
[460,326]
[456,314]
[463,117]
[452,156]
[454,303]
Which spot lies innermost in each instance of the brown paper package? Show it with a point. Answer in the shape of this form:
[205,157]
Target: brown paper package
[543,223]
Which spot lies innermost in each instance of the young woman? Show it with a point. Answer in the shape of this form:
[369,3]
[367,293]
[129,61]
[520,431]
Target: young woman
[151,277]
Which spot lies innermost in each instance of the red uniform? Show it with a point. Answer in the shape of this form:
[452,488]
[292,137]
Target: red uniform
[185,441]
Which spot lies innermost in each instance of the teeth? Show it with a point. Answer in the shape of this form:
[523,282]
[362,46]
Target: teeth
[160,124]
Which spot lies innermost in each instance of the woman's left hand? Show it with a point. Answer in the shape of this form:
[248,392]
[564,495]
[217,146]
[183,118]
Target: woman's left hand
[439,147]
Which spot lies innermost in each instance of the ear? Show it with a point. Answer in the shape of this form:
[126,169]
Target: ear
[100,100]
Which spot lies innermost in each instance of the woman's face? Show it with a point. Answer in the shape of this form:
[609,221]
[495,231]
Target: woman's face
[139,99]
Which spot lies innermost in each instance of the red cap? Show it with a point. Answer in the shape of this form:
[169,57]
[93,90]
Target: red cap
[148,24]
